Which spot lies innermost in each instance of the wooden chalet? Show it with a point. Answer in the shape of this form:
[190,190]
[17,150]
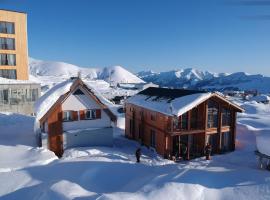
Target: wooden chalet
[173,121]
[77,117]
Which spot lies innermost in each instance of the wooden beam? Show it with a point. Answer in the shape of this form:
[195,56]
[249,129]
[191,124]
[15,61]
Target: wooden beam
[219,127]
[184,132]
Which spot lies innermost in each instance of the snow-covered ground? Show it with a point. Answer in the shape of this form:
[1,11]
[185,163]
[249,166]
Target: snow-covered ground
[28,172]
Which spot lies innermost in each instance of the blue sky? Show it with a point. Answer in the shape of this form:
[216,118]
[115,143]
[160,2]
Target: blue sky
[149,34]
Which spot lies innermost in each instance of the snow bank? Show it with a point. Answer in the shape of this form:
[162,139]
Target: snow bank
[177,106]
[263,142]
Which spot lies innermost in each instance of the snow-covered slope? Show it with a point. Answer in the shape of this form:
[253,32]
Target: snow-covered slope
[198,79]
[28,172]
[115,74]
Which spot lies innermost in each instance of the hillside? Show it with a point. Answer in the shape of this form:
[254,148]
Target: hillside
[199,79]
[61,70]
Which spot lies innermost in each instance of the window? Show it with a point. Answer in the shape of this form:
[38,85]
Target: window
[226,141]
[212,114]
[8,59]
[7,27]
[194,118]
[34,94]
[90,114]
[184,121]
[226,117]
[140,131]
[153,117]
[176,123]
[4,96]
[78,92]
[8,73]
[67,115]
[153,138]
[7,43]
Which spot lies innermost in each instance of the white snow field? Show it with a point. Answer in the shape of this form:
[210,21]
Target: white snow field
[49,73]
[28,172]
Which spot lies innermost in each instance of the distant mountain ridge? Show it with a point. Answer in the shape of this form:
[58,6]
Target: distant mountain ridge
[114,74]
[190,78]
[201,79]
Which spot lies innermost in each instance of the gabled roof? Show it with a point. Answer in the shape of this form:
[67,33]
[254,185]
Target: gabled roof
[174,101]
[59,93]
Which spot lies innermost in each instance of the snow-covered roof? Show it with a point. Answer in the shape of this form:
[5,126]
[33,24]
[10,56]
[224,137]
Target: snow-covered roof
[4,81]
[177,106]
[172,101]
[45,102]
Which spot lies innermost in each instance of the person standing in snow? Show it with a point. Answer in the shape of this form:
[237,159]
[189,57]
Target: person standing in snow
[138,154]
[208,150]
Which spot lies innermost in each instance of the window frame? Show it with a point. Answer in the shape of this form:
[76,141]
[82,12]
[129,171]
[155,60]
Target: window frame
[7,59]
[226,117]
[92,117]
[5,45]
[212,114]
[6,73]
[69,118]
[153,138]
[184,116]
[5,27]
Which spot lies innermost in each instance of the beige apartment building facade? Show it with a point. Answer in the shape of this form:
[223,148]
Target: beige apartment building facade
[13,45]
[17,93]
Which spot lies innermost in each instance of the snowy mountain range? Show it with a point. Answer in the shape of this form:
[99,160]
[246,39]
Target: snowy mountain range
[114,74]
[49,73]
[199,79]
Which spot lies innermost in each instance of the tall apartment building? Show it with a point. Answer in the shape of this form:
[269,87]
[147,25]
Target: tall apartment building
[13,45]
[17,93]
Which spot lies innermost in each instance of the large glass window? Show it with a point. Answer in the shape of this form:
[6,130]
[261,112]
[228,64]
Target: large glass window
[226,117]
[226,141]
[153,138]
[7,27]
[184,121]
[4,96]
[7,43]
[194,118]
[212,114]
[34,94]
[7,59]
[176,123]
[8,73]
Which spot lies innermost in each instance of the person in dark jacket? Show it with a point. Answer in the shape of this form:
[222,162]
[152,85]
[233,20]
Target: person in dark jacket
[208,150]
[138,154]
